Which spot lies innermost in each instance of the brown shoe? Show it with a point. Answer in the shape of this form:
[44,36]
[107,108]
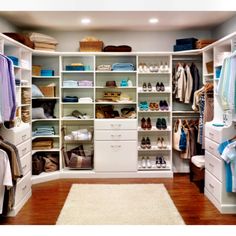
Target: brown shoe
[143,123]
[149,123]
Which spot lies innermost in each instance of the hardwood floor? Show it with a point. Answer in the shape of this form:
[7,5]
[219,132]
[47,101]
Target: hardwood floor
[48,198]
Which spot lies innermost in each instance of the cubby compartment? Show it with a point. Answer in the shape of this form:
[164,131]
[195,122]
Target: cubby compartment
[73,80]
[83,95]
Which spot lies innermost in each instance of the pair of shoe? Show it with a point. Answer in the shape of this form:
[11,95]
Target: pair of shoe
[146,143]
[153,106]
[147,87]
[146,162]
[161,143]
[164,67]
[146,124]
[143,106]
[161,123]
[153,68]
[160,162]
[143,68]
[164,105]
[160,87]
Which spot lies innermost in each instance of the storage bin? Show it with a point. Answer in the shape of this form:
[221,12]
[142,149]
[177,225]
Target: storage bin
[47,72]
[209,66]
[91,46]
[15,60]
[183,47]
[70,67]
[36,70]
[184,41]
[218,71]
[48,91]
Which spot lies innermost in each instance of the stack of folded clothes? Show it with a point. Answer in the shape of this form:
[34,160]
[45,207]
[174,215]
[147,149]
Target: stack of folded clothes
[104,68]
[81,134]
[70,83]
[85,83]
[43,42]
[25,114]
[85,100]
[42,144]
[44,131]
[26,97]
[123,67]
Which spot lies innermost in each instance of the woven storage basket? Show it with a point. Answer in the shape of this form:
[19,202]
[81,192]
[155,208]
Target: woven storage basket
[36,70]
[91,46]
[209,66]
[48,91]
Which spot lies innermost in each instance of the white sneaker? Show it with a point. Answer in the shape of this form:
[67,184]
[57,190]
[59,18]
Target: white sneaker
[143,162]
[148,163]
[166,68]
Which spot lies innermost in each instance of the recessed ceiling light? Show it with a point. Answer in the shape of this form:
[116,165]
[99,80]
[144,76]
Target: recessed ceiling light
[153,20]
[85,21]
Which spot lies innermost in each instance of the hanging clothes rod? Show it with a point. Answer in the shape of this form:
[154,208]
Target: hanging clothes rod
[187,59]
[186,112]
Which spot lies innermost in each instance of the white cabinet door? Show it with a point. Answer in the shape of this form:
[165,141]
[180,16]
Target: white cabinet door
[115,156]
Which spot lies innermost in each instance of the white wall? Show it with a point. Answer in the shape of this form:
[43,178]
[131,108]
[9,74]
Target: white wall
[139,41]
[5,26]
[225,28]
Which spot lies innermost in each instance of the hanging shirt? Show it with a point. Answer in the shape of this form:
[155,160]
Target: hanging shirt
[229,156]
[8,89]
[5,176]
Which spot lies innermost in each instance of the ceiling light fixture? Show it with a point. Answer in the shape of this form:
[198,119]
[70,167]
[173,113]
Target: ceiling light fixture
[85,21]
[153,20]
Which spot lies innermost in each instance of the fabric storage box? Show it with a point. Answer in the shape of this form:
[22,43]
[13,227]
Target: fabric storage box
[203,43]
[209,67]
[15,60]
[47,72]
[72,68]
[185,41]
[48,91]
[36,70]
[91,46]
[183,47]
[218,71]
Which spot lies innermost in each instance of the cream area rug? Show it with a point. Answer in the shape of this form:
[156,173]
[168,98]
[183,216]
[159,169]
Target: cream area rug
[119,204]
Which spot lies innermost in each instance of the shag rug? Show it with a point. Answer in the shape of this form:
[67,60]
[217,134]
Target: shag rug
[119,204]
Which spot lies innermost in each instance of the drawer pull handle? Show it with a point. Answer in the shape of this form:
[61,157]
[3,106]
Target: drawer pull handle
[211,134]
[24,150]
[117,135]
[24,188]
[24,136]
[212,186]
[116,125]
[210,164]
[23,167]
[115,146]
[211,148]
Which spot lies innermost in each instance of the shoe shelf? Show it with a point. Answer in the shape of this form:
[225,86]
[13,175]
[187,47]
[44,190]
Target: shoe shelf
[154,73]
[117,103]
[153,168]
[150,111]
[117,87]
[154,148]
[167,90]
[154,129]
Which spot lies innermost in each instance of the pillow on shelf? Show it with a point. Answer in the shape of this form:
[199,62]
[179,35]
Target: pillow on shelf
[36,92]
[38,113]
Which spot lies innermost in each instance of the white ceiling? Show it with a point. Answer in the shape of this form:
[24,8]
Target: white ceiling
[114,20]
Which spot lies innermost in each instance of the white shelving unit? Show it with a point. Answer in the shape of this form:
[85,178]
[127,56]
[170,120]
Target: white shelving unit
[20,134]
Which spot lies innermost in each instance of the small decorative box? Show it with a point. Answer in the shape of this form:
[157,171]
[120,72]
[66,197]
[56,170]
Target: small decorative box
[47,72]
[70,67]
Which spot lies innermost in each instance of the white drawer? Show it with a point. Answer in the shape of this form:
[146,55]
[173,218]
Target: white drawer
[213,185]
[17,135]
[24,147]
[211,147]
[116,135]
[118,124]
[115,156]
[26,163]
[22,188]
[214,166]
[213,133]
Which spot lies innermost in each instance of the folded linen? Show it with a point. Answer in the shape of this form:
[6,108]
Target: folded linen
[104,68]
[87,83]
[123,67]
[44,45]
[70,83]
[85,99]
[43,38]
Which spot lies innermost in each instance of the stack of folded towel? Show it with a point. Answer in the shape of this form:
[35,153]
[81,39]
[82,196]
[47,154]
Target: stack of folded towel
[123,67]
[44,131]
[85,100]
[81,134]
[43,42]
[42,144]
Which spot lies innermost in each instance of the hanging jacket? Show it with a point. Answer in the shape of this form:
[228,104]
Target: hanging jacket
[181,78]
[189,85]
[196,79]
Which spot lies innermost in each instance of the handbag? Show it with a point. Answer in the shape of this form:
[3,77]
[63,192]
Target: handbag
[37,164]
[51,163]
[183,140]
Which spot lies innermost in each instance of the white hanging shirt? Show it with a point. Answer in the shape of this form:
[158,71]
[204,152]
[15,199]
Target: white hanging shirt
[5,176]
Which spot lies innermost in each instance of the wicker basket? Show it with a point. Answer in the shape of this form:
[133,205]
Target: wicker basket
[91,46]
[48,91]
[209,66]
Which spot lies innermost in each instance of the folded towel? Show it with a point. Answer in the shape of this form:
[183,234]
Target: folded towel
[104,67]
[123,67]
[85,99]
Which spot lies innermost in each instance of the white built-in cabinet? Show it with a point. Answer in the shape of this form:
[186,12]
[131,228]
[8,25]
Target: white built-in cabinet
[215,173]
[20,134]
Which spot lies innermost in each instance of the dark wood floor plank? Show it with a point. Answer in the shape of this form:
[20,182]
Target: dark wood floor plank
[48,198]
